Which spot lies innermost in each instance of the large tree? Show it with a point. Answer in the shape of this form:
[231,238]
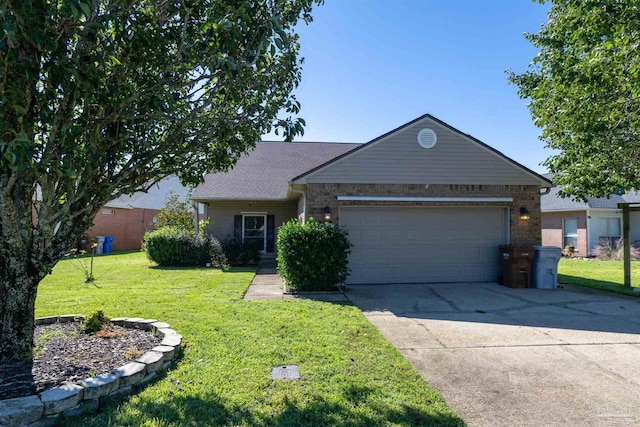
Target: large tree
[584,93]
[105,97]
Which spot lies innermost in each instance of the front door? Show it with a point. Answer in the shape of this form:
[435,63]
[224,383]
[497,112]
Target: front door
[254,231]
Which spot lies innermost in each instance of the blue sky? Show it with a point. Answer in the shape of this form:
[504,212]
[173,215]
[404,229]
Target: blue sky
[373,65]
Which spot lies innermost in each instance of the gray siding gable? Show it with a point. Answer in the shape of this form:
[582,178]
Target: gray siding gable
[397,158]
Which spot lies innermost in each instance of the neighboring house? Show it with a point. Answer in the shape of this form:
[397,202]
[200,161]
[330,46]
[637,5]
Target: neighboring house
[128,217]
[422,203]
[585,224]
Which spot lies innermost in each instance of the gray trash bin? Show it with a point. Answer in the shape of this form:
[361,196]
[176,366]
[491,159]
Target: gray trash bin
[544,271]
[99,243]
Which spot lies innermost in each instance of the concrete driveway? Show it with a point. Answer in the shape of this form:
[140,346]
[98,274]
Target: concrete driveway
[517,357]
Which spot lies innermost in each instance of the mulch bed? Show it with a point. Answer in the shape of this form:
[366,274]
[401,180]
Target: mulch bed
[64,353]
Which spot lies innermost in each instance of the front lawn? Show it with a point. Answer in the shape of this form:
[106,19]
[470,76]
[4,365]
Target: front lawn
[606,275]
[351,375]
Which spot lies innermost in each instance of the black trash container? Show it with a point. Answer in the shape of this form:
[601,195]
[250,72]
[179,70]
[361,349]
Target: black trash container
[516,265]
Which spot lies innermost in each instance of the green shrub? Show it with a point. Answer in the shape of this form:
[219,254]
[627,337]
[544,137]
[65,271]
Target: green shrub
[313,256]
[238,252]
[171,246]
[94,322]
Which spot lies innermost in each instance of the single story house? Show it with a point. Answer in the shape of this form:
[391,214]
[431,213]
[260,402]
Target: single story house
[585,225]
[128,217]
[422,203]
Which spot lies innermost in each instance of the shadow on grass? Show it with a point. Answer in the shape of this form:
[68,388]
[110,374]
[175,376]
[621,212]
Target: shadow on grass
[224,270]
[212,410]
[598,284]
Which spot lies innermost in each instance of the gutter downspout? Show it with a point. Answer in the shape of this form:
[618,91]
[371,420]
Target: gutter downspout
[588,230]
[196,217]
[303,194]
[546,190]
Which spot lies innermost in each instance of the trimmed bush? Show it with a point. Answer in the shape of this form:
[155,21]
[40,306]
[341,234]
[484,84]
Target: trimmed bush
[313,256]
[171,246]
[239,253]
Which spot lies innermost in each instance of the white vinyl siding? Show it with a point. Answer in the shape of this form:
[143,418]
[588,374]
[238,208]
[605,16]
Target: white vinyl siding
[634,229]
[602,224]
[424,244]
[399,159]
[609,230]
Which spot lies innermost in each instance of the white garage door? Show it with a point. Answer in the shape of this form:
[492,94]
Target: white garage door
[417,244]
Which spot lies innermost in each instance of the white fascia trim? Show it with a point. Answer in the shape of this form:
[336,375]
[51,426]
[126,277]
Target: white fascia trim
[564,210]
[424,199]
[117,206]
[602,211]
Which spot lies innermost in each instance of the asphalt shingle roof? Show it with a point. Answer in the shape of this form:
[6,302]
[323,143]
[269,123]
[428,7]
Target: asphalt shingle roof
[553,202]
[154,198]
[265,172]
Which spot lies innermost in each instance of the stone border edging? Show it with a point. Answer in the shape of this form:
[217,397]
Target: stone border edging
[72,400]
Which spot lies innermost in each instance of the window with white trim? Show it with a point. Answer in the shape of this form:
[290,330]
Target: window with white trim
[570,232]
[254,229]
[609,231]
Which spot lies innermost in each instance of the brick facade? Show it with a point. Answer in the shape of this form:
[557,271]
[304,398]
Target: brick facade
[522,232]
[552,232]
[127,226]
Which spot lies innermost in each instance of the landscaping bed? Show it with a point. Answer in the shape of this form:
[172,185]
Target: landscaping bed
[64,353]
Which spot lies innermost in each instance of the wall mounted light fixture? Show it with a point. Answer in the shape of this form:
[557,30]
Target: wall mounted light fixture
[327,213]
[524,213]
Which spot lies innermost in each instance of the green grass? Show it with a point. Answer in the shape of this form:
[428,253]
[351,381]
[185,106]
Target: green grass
[351,375]
[605,275]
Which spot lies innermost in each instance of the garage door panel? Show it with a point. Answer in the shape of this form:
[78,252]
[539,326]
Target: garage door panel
[473,253]
[372,234]
[415,244]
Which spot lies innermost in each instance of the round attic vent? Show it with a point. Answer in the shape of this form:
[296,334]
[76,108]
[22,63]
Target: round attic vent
[427,138]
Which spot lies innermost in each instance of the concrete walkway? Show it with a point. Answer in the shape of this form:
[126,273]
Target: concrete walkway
[267,285]
[517,357]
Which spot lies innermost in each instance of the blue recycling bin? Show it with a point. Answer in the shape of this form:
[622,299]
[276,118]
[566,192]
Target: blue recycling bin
[108,242]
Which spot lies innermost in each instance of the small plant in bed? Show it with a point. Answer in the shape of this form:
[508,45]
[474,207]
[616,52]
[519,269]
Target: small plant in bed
[313,256]
[95,322]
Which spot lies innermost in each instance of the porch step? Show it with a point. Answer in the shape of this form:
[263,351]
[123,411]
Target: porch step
[268,263]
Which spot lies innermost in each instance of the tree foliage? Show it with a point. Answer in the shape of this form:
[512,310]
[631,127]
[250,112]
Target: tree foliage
[100,98]
[584,93]
[176,213]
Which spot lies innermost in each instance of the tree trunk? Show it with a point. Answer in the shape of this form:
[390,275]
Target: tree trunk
[18,288]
